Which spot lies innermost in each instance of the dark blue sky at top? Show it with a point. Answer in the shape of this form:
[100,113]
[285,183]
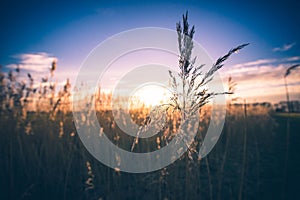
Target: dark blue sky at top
[70,30]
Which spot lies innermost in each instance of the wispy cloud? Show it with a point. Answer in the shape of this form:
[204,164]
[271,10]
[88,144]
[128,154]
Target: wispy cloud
[255,63]
[291,59]
[268,61]
[34,62]
[285,47]
[260,78]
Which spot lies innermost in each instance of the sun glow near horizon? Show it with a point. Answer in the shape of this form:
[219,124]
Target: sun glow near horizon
[150,95]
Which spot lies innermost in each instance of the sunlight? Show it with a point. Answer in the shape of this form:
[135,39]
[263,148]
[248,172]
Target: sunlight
[150,95]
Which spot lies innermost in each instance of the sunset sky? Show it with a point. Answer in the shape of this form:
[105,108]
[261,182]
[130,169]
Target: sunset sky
[33,33]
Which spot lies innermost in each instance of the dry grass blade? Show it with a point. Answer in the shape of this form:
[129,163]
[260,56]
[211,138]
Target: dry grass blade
[288,71]
[219,64]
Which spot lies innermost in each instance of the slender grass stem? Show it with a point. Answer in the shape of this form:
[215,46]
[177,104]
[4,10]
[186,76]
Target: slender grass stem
[244,154]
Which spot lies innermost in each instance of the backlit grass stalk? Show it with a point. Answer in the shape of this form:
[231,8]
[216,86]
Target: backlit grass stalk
[242,180]
[231,89]
[288,72]
[194,81]
[289,109]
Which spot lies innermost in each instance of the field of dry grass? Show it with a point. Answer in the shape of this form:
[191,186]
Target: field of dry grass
[43,157]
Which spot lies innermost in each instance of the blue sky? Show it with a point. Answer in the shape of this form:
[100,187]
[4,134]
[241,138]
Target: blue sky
[69,31]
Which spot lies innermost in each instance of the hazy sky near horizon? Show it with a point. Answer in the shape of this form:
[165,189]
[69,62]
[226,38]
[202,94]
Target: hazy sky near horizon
[35,32]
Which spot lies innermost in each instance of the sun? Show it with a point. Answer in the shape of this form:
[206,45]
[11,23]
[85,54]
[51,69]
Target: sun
[150,95]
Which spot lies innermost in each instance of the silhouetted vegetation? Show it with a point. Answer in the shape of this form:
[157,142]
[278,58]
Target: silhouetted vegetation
[42,156]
